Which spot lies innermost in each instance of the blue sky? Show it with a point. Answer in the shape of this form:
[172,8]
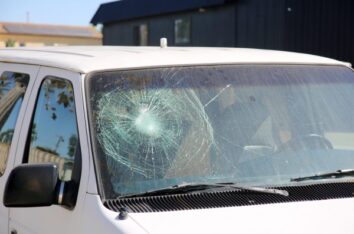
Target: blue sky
[68,12]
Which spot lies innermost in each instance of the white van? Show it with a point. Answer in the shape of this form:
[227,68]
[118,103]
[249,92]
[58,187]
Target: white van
[175,140]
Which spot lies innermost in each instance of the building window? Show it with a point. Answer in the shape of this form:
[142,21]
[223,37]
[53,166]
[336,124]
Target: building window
[141,35]
[182,31]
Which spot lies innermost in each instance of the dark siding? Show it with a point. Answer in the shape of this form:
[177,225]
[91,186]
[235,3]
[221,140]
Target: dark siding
[161,27]
[215,27]
[323,27]
[260,24]
[116,34]
[122,33]
[220,21]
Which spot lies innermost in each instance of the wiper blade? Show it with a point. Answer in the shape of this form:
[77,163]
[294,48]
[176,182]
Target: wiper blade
[335,174]
[187,187]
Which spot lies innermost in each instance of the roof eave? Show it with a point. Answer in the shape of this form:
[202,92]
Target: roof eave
[102,17]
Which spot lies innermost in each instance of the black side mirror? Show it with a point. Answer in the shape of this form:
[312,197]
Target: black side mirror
[32,185]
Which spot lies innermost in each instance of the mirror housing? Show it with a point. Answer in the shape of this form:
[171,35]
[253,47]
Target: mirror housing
[32,185]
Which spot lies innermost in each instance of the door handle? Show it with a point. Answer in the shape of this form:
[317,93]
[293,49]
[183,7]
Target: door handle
[13,231]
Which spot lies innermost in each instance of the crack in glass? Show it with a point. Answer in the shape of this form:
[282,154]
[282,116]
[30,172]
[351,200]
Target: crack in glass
[153,132]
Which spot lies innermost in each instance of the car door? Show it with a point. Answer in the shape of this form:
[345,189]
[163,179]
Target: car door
[53,132]
[16,81]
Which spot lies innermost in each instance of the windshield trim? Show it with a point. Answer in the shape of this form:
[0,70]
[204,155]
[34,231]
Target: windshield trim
[91,74]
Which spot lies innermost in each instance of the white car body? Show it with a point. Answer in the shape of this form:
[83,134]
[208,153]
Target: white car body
[89,215]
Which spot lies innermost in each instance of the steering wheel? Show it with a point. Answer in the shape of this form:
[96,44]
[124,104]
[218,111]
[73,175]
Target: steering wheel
[309,141]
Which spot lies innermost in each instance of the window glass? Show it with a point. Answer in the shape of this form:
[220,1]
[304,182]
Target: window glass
[54,136]
[182,31]
[253,125]
[12,89]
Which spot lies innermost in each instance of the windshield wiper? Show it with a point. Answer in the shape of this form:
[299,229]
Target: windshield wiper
[191,187]
[335,174]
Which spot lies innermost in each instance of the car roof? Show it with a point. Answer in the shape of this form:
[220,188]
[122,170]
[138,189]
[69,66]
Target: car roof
[85,59]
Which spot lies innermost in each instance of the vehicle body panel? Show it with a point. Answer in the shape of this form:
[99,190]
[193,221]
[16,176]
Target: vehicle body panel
[85,59]
[331,216]
[106,221]
[32,71]
[43,219]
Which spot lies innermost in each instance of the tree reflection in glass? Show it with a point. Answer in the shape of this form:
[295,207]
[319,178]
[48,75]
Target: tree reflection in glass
[12,90]
[54,129]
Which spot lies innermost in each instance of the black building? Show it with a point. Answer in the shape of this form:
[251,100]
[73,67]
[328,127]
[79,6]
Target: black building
[323,27]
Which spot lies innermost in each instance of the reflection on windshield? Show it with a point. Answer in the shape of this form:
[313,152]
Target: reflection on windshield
[253,125]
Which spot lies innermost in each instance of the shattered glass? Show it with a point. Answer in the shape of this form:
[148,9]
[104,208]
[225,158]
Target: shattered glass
[142,131]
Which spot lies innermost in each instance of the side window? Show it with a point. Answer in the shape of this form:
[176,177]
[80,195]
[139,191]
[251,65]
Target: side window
[54,136]
[12,90]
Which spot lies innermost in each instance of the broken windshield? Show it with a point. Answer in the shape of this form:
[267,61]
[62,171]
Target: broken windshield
[261,125]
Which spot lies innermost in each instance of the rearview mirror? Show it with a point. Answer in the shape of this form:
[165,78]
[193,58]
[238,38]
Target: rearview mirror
[31,185]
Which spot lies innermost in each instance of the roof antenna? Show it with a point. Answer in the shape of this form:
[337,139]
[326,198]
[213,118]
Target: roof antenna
[163,42]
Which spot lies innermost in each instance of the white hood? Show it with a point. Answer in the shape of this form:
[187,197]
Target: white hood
[328,216]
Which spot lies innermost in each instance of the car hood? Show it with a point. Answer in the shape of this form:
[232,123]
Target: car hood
[326,216]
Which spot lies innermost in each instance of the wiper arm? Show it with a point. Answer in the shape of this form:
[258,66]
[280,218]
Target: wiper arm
[186,187]
[335,174]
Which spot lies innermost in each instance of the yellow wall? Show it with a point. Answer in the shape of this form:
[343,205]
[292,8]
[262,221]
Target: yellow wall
[39,40]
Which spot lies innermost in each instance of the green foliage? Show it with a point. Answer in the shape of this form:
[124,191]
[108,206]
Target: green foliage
[60,91]
[10,43]
[34,134]
[72,145]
